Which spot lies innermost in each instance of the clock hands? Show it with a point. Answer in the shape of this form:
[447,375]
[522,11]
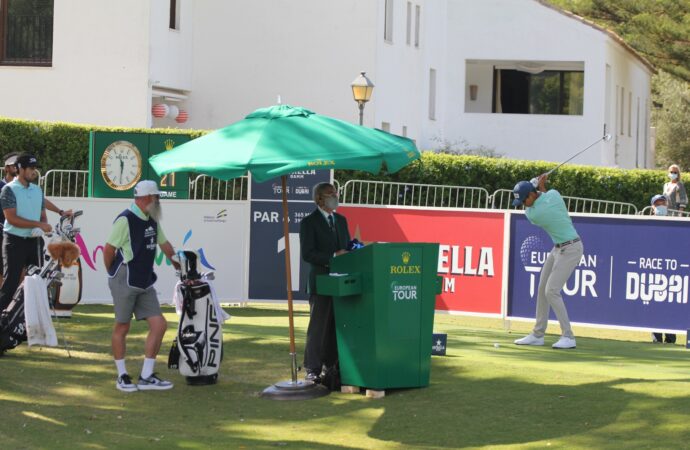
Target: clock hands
[122,167]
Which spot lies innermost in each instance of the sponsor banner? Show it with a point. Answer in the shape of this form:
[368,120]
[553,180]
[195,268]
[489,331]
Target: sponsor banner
[267,247]
[217,230]
[299,186]
[470,253]
[634,272]
[267,258]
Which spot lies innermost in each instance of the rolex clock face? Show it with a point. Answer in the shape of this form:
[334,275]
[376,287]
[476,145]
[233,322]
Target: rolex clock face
[121,165]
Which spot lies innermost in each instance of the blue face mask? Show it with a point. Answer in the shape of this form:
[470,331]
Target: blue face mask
[673,176]
[660,210]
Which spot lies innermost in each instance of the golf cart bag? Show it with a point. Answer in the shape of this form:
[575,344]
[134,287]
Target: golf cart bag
[12,323]
[60,254]
[198,348]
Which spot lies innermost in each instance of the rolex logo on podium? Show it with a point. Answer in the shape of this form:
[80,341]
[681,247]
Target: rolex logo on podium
[169,144]
[406,257]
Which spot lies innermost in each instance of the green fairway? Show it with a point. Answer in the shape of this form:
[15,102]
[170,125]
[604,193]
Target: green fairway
[616,390]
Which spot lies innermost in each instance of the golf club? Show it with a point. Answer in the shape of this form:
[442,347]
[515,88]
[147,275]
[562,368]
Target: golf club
[605,138]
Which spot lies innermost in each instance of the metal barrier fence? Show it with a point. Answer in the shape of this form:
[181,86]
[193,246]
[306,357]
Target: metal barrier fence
[648,211]
[65,183]
[503,198]
[74,183]
[205,187]
[412,194]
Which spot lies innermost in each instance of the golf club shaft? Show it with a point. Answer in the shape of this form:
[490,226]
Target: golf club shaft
[604,137]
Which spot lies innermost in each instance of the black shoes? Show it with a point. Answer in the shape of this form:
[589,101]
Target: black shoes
[313,376]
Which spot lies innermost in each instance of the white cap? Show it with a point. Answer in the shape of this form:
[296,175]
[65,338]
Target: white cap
[146,187]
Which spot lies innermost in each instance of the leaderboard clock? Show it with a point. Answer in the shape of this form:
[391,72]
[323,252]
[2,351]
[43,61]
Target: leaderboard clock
[121,165]
[118,161]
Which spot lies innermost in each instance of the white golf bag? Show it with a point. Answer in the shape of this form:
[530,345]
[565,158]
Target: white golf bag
[198,348]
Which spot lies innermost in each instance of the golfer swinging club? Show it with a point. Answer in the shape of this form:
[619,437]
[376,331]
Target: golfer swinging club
[547,210]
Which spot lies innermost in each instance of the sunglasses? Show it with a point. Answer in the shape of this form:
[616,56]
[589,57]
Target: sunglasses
[674,172]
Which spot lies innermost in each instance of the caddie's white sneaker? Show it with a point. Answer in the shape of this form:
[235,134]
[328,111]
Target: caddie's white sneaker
[530,339]
[564,342]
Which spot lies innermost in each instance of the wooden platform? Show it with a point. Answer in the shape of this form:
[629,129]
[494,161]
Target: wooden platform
[371,393]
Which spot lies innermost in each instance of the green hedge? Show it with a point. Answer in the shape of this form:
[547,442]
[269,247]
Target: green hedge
[59,145]
[66,146]
[630,186]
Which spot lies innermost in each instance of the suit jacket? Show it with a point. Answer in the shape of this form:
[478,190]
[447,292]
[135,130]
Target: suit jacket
[318,244]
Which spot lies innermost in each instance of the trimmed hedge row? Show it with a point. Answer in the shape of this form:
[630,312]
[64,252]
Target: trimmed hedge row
[59,145]
[630,186]
[66,146]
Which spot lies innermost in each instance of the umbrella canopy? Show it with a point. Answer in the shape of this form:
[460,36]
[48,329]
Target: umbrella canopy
[282,139]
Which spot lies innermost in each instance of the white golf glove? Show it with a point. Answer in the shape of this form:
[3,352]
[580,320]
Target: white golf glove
[535,182]
[36,232]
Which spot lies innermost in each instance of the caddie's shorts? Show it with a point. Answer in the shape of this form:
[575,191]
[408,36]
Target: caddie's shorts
[143,303]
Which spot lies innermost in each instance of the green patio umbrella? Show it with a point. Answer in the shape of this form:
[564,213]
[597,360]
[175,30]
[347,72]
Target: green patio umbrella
[277,141]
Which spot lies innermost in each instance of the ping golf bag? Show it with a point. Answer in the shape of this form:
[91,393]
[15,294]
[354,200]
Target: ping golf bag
[60,254]
[198,348]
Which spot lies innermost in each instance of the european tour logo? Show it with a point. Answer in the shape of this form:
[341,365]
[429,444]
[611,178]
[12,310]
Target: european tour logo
[90,256]
[533,254]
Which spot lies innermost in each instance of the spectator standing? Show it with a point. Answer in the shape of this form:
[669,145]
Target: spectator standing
[674,190]
[660,208]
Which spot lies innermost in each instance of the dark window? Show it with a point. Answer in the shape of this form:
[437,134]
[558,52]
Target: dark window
[26,32]
[547,92]
[174,15]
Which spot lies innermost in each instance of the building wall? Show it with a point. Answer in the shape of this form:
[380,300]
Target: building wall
[246,54]
[100,67]
[524,30]
[629,126]
[402,75]
[171,50]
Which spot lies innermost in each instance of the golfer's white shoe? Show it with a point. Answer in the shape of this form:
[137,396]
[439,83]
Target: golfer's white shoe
[530,339]
[564,342]
[124,383]
[153,383]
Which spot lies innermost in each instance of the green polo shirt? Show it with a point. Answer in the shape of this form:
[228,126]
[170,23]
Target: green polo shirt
[119,235]
[550,213]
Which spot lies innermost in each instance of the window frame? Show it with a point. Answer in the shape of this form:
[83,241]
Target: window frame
[4,11]
[388,19]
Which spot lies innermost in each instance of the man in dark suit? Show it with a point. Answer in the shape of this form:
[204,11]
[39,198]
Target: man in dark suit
[323,234]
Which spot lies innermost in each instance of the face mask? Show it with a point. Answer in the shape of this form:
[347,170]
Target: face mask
[673,176]
[660,210]
[154,210]
[331,203]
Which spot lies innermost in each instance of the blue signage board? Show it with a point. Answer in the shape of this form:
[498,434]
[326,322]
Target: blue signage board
[634,272]
[267,240]
[299,186]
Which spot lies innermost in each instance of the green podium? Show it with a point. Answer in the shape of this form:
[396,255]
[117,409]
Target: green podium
[384,299]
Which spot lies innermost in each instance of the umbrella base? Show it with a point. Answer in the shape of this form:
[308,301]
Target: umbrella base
[299,390]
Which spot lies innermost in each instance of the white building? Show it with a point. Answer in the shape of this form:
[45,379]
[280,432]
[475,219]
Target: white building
[525,79]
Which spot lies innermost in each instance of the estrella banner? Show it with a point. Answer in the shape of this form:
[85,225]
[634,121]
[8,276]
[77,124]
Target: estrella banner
[634,272]
[216,230]
[470,256]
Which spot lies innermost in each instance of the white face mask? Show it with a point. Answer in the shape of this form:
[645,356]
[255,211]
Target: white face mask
[660,210]
[673,176]
[331,203]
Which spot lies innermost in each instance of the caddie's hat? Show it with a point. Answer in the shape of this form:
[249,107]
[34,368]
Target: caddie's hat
[146,187]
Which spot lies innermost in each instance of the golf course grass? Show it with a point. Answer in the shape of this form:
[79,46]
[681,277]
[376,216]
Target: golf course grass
[616,390]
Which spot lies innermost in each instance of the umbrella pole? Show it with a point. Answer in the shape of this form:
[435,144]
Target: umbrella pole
[294,389]
[288,279]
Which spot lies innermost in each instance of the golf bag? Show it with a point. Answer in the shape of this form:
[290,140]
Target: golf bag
[198,348]
[60,254]
[12,323]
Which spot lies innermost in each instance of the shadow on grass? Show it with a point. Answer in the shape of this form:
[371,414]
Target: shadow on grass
[49,401]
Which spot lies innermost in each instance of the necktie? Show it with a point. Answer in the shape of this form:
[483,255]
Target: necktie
[331,223]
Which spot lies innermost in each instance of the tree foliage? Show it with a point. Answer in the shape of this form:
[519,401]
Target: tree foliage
[658,29]
[672,119]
